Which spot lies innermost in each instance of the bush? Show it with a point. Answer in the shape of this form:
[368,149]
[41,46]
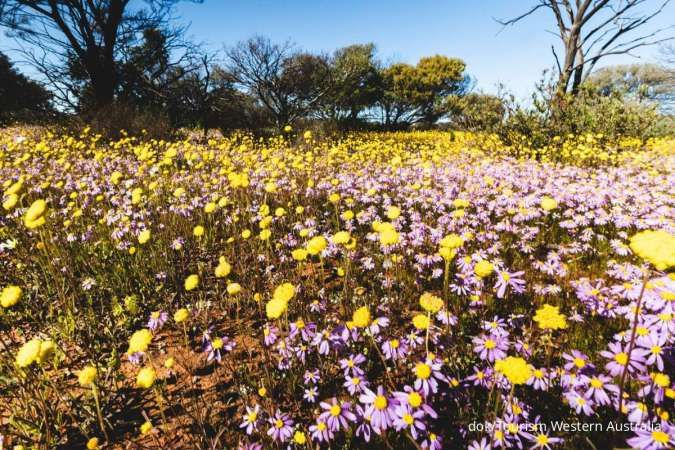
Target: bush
[590,111]
[119,119]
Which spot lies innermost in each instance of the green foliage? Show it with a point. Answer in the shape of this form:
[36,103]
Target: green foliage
[22,98]
[475,111]
[355,85]
[592,109]
[417,94]
[637,82]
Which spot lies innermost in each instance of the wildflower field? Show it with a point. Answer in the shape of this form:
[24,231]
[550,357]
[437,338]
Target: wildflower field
[418,290]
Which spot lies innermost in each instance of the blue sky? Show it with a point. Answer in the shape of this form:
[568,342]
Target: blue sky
[403,30]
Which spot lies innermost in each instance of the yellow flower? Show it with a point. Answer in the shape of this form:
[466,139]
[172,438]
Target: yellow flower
[265,234]
[14,188]
[143,237]
[10,201]
[223,269]
[655,247]
[447,253]
[169,362]
[209,207]
[299,438]
[430,303]
[275,308]
[35,216]
[181,315]
[288,128]
[284,292]
[361,317]
[47,349]
[483,268]
[388,234]
[307,135]
[191,282]
[393,212]
[233,288]
[460,203]
[146,377]
[198,231]
[548,204]
[10,296]
[139,341]
[28,353]
[452,241]
[515,369]
[548,317]
[146,427]
[115,177]
[299,254]
[421,322]
[341,237]
[92,444]
[87,376]
[316,245]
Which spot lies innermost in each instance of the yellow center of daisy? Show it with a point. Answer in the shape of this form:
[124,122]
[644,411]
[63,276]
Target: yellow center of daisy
[321,426]
[423,371]
[335,410]
[408,419]
[380,402]
[542,439]
[621,358]
[414,399]
[279,423]
[596,383]
[660,437]
[580,363]
[489,344]
[394,343]
[217,343]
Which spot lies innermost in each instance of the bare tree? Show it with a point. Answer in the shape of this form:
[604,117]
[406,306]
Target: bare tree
[593,29]
[57,34]
[287,82]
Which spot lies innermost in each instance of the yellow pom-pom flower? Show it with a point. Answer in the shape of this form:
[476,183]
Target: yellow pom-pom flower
[146,377]
[361,317]
[87,376]
[191,282]
[139,341]
[181,315]
[421,322]
[655,247]
[515,369]
[483,268]
[10,296]
[548,317]
[35,216]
